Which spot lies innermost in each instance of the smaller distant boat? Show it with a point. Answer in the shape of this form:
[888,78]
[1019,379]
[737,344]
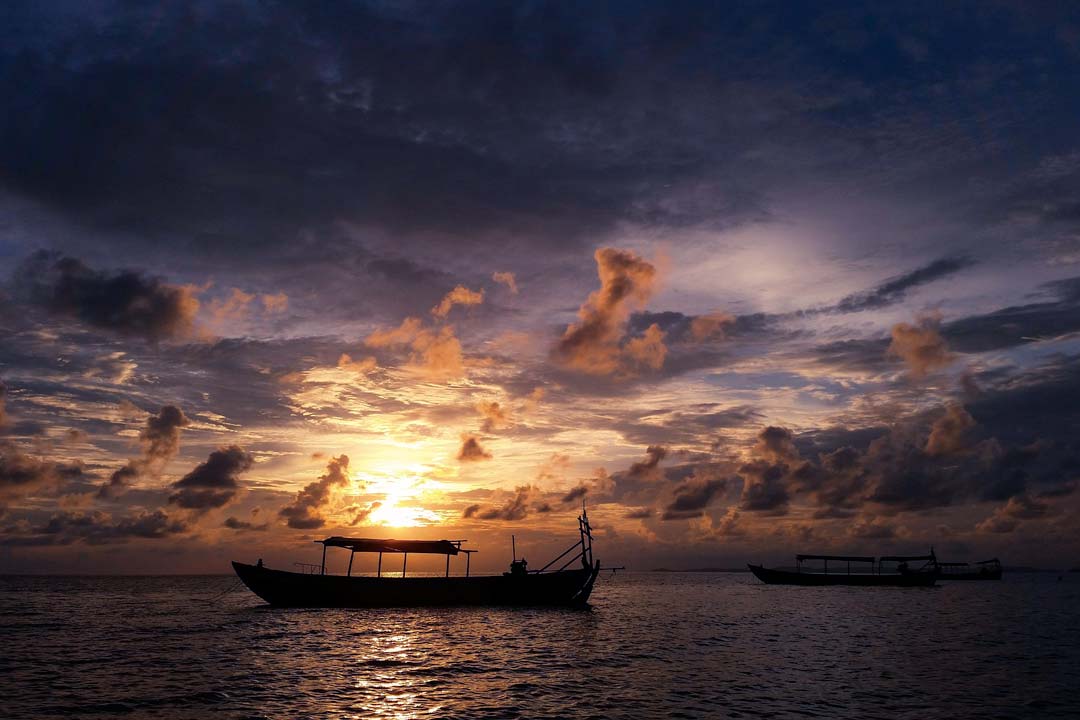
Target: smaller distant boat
[982,570]
[881,571]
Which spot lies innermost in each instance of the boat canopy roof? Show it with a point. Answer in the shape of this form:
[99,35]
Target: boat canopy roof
[906,558]
[433,547]
[848,558]
[992,561]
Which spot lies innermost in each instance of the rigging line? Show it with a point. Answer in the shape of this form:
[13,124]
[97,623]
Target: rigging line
[232,588]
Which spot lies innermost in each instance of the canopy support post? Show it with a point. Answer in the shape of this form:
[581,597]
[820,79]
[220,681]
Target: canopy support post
[380,565]
[404,563]
[349,573]
[447,566]
[468,559]
[322,568]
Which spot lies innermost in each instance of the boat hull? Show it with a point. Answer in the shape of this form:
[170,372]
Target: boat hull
[988,575]
[289,589]
[787,577]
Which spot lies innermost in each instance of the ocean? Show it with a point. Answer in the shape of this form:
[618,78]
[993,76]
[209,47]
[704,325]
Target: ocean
[653,645]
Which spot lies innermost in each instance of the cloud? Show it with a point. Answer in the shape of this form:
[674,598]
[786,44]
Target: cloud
[233,307]
[495,416]
[98,528]
[304,512]
[593,345]
[647,468]
[514,509]
[895,289]
[471,511]
[1010,516]
[710,326]
[460,295]
[160,441]
[639,514]
[648,350]
[575,494]
[872,529]
[947,435]
[3,405]
[234,523]
[213,483]
[435,354]
[693,496]
[776,443]
[403,334]
[126,302]
[507,279]
[22,474]
[920,345]
[276,303]
[362,514]
[765,487]
[471,450]
[360,367]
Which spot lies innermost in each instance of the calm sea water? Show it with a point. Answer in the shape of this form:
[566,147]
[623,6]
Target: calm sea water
[654,645]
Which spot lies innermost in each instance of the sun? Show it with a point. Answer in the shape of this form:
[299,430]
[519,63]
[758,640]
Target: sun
[400,487]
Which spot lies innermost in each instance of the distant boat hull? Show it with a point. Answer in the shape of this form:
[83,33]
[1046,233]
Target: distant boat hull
[290,589]
[787,577]
[978,575]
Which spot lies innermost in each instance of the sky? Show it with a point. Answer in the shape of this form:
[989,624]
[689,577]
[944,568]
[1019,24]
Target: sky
[748,279]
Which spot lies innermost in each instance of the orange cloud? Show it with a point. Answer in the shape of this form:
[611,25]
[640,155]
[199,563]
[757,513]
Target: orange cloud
[305,511]
[435,354]
[947,436]
[277,303]
[471,450]
[649,349]
[233,307]
[507,279]
[460,295]
[712,325]
[495,416]
[360,367]
[593,344]
[921,345]
[401,335]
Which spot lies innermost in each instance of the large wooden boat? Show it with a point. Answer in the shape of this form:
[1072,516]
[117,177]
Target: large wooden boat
[982,570]
[564,586]
[880,572]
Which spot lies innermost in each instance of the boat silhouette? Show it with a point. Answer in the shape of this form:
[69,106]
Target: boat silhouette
[564,586]
[982,570]
[878,574]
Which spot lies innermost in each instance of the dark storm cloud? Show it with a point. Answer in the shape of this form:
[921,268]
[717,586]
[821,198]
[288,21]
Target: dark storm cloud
[1019,324]
[126,302]
[471,450]
[212,483]
[439,117]
[894,290]
[160,440]
[516,508]
[693,496]
[23,474]
[575,494]
[648,467]
[304,512]
[234,523]
[95,528]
